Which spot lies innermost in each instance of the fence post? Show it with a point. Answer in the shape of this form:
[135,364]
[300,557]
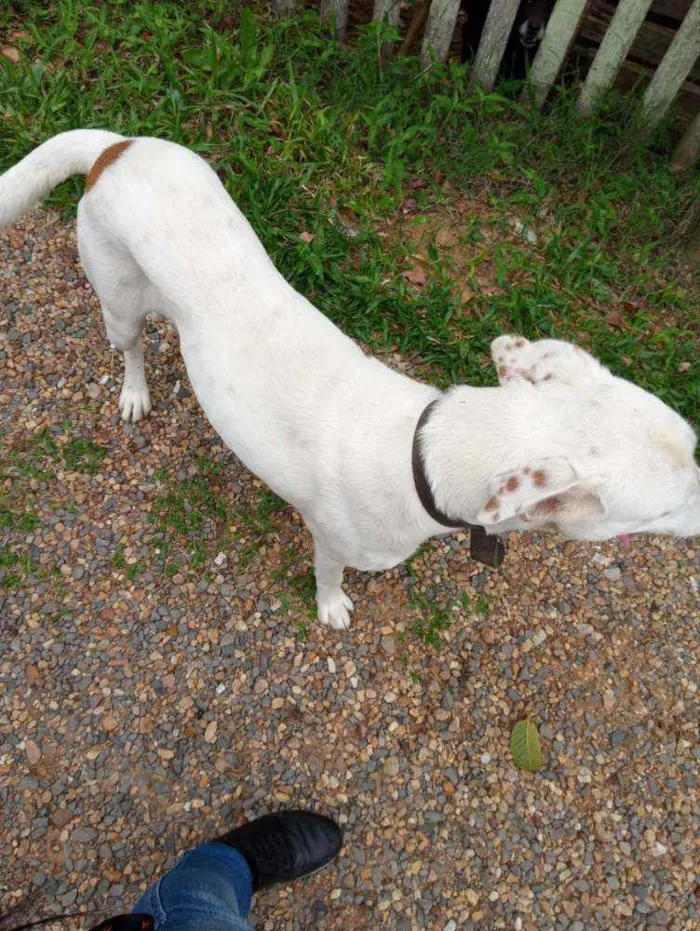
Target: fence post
[688,149]
[494,38]
[560,33]
[284,7]
[618,39]
[439,29]
[335,11]
[674,68]
[389,11]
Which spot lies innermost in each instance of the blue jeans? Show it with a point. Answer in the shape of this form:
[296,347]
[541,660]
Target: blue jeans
[208,889]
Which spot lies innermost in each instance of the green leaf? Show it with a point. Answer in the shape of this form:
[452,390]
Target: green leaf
[525,746]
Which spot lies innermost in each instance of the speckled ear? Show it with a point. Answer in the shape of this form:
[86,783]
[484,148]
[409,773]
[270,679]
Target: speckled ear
[546,489]
[547,360]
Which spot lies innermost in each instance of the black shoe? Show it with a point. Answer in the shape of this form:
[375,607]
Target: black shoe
[285,846]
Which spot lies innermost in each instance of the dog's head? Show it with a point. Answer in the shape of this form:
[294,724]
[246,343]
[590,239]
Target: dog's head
[531,27]
[627,460]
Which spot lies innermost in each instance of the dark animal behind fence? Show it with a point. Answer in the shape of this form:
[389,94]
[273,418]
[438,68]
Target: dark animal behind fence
[523,42]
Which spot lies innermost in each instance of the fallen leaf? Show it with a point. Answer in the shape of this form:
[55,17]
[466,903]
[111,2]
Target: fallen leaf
[445,237]
[614,318]
[684,367]
[415,275]
[10,52]
[525,746]
[307,237]
[466,295]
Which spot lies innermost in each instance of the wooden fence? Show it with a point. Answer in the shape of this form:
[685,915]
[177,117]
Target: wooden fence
[562,28]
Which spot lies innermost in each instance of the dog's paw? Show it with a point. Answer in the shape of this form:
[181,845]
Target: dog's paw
[334,609]
[134,403]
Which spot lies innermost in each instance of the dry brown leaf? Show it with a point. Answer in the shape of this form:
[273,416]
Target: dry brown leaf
[466,295]
[445,237]
[307,237]
[9,51]
[684,367]
[416,275]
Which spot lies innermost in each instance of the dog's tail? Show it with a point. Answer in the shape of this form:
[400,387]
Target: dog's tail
[71,153]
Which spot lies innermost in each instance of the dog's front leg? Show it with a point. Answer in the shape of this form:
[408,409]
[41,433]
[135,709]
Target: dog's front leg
[334,606]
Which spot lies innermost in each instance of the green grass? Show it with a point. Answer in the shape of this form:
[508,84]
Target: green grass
[190,518]
[432,622]
[305,134]
[81,455]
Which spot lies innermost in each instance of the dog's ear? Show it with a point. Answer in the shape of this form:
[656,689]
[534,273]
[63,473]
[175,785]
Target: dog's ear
[547,360]
[546,490]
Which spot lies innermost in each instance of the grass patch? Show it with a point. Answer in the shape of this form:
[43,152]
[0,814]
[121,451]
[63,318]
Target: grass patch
[190,517]
[304,587]
[81,455]
[195,521]
[320,144]
[432,622]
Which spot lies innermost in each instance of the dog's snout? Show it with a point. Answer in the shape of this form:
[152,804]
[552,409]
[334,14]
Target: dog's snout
[531,31]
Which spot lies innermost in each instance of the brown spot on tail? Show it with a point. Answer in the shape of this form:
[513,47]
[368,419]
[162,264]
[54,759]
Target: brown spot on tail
[107,158]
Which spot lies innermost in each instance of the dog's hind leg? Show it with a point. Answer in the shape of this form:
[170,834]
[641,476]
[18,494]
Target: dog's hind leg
[123,291]
[334,606]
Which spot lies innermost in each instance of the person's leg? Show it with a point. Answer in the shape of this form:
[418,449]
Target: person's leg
[209,889]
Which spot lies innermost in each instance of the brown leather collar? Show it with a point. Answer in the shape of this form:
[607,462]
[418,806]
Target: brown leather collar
[420,479]
[484,547]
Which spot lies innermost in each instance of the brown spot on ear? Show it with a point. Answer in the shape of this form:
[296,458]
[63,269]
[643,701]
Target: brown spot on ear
[107,158]
[512,483]
[491,504]
[519,343]
[539,478]
[549,506]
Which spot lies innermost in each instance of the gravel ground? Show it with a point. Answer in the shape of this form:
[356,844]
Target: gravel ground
[154,692]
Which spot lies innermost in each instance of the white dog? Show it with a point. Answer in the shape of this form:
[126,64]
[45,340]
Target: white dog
[561,443]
